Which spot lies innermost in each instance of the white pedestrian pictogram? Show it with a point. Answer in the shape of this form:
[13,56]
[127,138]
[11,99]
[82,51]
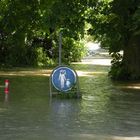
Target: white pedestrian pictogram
[62,78]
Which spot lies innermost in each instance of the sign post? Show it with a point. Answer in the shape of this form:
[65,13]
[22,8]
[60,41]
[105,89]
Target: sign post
[60,48]
[63,79]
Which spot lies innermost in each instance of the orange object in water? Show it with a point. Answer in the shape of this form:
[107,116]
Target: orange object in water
[6,86]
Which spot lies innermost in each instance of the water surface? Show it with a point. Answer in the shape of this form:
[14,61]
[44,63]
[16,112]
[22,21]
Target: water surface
[106,111]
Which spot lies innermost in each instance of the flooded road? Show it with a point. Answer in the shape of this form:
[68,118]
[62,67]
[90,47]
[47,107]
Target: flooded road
[107,111]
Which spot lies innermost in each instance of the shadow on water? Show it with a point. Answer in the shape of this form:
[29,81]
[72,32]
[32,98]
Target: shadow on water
[105,112]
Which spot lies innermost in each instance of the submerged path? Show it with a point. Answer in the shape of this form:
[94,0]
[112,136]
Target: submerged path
[107,111]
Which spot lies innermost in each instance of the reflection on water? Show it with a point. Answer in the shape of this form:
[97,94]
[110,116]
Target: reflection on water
[105,112]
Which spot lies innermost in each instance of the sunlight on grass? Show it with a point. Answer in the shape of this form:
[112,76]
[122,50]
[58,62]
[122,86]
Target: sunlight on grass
[83,73]
[131,86]
[124,138]
[97,137]
[34,72]
[45,72]
[101,62]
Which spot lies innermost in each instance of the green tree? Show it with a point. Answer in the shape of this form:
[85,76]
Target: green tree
[25,26]
[18,21]
[116,24]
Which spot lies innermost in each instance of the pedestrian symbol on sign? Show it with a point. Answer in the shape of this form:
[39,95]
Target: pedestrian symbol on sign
[63,78]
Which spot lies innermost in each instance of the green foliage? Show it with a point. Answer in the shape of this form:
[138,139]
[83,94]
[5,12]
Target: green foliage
[24,56]
[72,50]
[42,58]
[21,22]
[114,23]
[118,71]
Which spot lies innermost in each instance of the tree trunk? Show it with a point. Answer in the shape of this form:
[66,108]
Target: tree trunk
[131,58]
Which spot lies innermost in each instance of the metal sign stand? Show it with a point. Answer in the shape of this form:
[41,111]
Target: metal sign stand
[63,79]
[60,48]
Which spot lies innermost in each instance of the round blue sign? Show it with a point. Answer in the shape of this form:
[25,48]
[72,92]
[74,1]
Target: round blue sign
[63,78]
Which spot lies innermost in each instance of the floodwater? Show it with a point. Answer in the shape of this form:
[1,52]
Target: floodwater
[107,111]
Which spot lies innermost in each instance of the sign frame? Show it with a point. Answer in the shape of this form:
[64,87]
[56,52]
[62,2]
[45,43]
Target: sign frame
[73,83]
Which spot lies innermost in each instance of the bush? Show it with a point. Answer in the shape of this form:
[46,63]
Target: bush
[118,71]
[72,50]
[42,58]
